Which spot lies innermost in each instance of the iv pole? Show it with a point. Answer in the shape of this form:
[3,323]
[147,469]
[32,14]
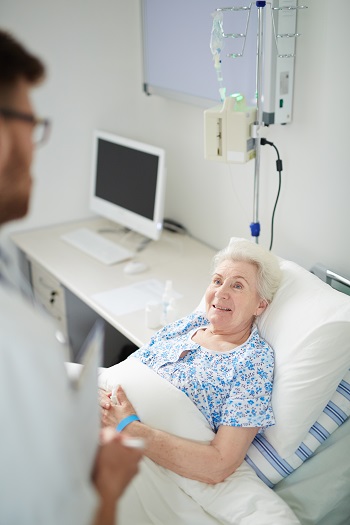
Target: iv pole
[216,46]
[255,225]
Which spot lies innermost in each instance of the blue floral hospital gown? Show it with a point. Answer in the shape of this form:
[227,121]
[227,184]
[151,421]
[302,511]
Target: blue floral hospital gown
[230,388]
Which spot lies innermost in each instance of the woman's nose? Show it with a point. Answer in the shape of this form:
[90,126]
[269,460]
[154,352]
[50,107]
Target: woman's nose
[222,292]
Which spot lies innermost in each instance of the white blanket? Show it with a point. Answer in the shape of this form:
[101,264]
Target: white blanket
[159,496]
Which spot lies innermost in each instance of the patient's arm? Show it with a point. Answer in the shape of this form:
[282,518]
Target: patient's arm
[209,463]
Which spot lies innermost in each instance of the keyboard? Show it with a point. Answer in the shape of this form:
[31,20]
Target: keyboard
[92,243]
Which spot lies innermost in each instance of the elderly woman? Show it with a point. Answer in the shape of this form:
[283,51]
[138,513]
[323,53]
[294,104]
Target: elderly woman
[220,362]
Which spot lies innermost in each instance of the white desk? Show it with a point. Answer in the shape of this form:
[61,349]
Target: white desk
[176,257]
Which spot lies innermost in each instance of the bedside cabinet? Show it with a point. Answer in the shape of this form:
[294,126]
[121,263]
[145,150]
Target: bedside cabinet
[50,294]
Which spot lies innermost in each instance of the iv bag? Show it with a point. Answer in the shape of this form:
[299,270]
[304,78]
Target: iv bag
[216,45]
[216,39]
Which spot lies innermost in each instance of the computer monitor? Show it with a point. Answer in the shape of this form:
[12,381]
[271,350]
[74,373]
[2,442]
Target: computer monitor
[128,183]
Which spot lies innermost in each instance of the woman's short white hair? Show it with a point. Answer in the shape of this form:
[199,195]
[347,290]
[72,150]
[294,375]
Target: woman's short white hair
[269,273]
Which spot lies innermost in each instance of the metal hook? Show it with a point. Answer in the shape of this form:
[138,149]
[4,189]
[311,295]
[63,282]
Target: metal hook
[237,35]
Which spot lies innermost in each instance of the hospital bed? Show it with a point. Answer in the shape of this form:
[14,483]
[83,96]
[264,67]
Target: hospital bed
[303,462]
[318,490]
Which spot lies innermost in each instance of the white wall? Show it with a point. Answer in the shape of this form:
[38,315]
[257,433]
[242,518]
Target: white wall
[93,50]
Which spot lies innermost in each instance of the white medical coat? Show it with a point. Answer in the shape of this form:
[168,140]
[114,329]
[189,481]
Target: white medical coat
[44,465]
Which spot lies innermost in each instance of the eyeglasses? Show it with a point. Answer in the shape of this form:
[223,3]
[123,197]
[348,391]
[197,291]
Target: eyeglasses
[41,126]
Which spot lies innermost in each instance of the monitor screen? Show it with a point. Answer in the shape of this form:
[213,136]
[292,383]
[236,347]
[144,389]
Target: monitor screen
[128,183]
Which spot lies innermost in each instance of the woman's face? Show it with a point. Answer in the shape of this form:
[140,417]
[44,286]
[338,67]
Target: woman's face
[232,299]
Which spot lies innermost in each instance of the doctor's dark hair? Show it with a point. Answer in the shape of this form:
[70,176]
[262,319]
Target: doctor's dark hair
[269,273]
[16,63]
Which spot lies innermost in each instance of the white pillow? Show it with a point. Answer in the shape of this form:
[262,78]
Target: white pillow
[308,326]
[150,395]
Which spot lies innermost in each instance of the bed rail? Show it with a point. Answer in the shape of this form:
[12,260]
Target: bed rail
[330,277]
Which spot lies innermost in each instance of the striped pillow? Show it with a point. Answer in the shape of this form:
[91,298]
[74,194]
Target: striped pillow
[272,468]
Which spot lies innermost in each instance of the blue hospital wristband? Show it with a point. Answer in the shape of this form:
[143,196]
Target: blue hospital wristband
[125,422]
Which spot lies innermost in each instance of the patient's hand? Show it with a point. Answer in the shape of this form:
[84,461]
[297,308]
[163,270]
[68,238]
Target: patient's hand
[113,414]
[104,398]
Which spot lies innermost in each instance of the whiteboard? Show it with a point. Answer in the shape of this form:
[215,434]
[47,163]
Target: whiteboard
[178,61]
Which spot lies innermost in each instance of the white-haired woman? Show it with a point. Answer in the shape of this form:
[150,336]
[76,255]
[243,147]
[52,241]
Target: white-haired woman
[219,360]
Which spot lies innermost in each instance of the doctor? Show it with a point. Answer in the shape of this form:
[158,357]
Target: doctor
[45,478]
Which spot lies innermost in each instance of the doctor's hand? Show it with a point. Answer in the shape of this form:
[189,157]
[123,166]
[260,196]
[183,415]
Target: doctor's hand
[112,414]
[115,466]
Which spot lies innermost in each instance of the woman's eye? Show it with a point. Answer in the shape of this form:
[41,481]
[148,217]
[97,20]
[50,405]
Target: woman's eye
[216,281]
[238,286]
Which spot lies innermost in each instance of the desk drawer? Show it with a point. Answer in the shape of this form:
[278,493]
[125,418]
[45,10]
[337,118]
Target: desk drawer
[49,292]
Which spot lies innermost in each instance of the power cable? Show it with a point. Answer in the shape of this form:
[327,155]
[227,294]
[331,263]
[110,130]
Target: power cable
[279,169]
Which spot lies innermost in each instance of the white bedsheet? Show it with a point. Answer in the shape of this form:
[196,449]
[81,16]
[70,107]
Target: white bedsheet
[159,496]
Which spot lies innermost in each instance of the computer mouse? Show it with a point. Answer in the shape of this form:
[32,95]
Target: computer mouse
[133,267]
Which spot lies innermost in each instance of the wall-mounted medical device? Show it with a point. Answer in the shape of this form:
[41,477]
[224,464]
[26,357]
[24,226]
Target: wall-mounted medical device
[228,131]
[228,128]
[279,58]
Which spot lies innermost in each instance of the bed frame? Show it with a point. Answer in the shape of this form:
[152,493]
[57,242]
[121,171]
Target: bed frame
[319,491]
